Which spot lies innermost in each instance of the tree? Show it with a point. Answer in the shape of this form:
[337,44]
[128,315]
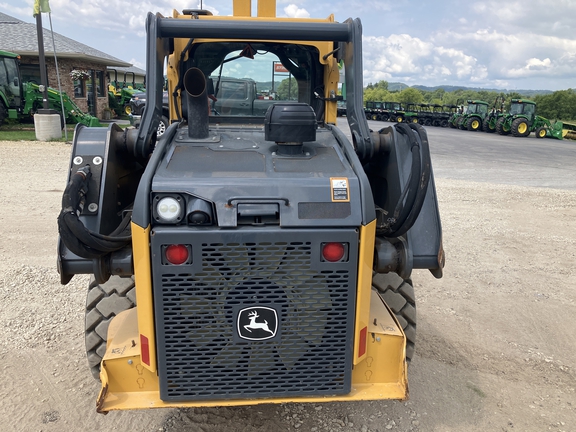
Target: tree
[410,95]
[288,89]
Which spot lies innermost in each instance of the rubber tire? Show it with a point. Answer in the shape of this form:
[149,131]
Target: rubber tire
[162,126]
[104,302]
[3,113]
[127,109]
[500,127]
[444,123]
[378,117]
[541,132]
[486,126]
[516,124]
[427,122]
[399,119]
[473,124]
[421,121]
[460,123]
[385,117]
[399,296]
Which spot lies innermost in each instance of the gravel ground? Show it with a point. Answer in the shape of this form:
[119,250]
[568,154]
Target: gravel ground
[496,345]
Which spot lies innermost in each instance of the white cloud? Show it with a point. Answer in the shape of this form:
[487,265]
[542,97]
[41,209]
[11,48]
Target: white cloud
[512,56]
[293,11]
[488,43]
[413,61]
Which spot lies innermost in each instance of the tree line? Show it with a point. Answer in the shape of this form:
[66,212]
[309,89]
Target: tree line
[560,105]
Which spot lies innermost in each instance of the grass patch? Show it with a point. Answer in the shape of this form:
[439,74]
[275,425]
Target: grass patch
[26,132]
[18,135]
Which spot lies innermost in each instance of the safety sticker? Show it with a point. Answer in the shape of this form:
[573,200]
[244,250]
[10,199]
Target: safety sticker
[340,189]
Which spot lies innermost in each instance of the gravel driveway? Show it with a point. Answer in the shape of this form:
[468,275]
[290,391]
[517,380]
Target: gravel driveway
[496,346]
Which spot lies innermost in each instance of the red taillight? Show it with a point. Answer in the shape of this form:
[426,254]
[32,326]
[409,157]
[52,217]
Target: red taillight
[362,342]
[145,350]
[333,251]
[177,254]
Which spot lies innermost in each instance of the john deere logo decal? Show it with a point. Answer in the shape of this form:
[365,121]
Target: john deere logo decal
[257,323]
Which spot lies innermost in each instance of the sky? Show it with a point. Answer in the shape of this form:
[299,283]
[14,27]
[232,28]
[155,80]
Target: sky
[499,44]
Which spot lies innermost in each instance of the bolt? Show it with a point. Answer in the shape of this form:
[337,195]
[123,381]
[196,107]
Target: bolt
[378,339]
[78,160]
[97,160]
[93,207]
[130,362]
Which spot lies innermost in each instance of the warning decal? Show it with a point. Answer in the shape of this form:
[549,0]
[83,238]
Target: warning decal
[339,188]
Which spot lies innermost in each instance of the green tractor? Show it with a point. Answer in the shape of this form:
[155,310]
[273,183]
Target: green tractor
[373,110]
[409,115]
[457,115]
[120,92]
[394,110]
[475,113]
[497,111]
[20,100]
[425,114]
[521,120]
[448,112]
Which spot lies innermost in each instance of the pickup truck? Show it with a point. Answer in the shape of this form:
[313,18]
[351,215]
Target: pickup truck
[234,97]
[239,97]
[137,104]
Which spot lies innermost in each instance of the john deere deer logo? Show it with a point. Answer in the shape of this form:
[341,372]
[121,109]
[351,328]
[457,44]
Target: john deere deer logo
[257,323]
[254,325]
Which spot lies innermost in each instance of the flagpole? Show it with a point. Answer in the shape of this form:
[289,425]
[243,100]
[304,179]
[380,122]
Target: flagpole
[58,77]
[42,59]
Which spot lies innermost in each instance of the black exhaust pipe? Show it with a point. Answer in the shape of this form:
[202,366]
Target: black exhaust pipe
[197,103]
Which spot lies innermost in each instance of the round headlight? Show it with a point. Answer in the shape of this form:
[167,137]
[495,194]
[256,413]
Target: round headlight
[169,210]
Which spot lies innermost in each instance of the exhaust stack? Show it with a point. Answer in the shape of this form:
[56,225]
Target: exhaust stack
[196,103]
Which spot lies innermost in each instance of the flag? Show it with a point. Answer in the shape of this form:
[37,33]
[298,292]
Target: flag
[41,6]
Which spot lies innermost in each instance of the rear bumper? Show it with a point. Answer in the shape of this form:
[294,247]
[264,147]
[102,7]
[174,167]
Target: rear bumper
[127,384]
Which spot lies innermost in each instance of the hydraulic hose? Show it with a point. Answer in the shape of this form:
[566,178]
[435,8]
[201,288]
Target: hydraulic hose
[412,197]
[76,237]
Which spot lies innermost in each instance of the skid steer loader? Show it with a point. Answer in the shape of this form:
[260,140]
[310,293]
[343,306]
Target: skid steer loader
[248,257]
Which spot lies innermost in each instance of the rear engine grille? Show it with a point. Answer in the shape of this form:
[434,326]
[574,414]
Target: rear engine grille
[202,347]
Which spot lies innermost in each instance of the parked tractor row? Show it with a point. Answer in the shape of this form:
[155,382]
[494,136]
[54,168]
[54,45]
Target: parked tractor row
[476,115]
[424,114]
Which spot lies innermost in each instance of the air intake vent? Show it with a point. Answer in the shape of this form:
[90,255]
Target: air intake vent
[256,318]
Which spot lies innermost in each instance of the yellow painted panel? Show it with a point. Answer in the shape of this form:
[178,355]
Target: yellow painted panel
[242,8]
[365,263]
[267,8]
[385,360]
[144,299]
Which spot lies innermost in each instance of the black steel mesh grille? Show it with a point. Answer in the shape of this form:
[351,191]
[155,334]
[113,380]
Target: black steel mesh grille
[201,353]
